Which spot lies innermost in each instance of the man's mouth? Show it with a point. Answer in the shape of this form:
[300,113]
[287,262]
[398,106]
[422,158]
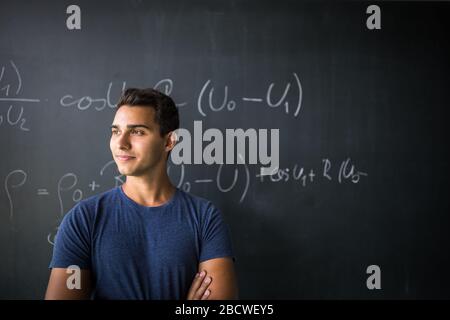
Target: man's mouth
[124,158]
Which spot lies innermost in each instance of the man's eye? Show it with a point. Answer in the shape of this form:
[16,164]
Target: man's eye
[138,132]
[114,132]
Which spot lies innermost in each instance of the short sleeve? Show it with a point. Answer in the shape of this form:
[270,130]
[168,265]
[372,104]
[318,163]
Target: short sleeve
[216,241]
[72,241]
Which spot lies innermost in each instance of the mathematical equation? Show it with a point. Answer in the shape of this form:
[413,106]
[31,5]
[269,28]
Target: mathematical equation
[11,87]
[241,179]
[10,90]
[204,99]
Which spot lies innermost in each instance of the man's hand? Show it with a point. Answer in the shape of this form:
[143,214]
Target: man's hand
[199,288]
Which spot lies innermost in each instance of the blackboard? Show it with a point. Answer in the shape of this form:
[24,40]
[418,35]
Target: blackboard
[361,113]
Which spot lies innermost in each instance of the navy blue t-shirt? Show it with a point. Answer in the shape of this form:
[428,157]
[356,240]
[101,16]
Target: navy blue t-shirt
[139,252]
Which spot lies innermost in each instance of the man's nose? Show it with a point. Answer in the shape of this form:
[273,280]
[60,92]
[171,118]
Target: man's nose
[124,142]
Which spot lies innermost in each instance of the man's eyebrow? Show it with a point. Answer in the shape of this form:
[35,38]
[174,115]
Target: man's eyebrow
[131,126]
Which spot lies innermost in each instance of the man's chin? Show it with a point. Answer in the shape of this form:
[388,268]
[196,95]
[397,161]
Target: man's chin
[133,172]
[128,173]
[124,172]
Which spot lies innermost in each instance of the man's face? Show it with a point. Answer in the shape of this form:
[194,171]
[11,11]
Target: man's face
[135,134]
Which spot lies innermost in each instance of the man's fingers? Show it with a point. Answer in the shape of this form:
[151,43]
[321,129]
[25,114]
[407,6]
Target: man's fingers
[206,295]
[195,285]
[198,279]
[203,288]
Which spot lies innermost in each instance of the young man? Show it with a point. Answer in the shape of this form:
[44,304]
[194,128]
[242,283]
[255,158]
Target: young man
[145,239]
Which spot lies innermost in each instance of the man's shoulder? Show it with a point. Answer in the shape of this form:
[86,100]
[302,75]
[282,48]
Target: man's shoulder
[94,199]
[194,198]
[92,203]
[200,204]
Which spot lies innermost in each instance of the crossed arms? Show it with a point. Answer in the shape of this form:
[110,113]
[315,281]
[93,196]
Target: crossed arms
[222,284]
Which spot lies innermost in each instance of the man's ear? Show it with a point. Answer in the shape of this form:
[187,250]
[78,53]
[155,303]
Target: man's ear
[171,140]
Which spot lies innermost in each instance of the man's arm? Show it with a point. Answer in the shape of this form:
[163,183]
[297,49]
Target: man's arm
[57,288]
[224,283]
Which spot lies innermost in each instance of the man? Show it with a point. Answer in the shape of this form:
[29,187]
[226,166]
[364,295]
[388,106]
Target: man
[145,239]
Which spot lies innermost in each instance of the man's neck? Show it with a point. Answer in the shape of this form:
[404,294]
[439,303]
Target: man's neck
[148,191]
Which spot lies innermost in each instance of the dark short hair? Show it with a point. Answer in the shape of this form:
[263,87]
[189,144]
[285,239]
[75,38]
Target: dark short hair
[166,112]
